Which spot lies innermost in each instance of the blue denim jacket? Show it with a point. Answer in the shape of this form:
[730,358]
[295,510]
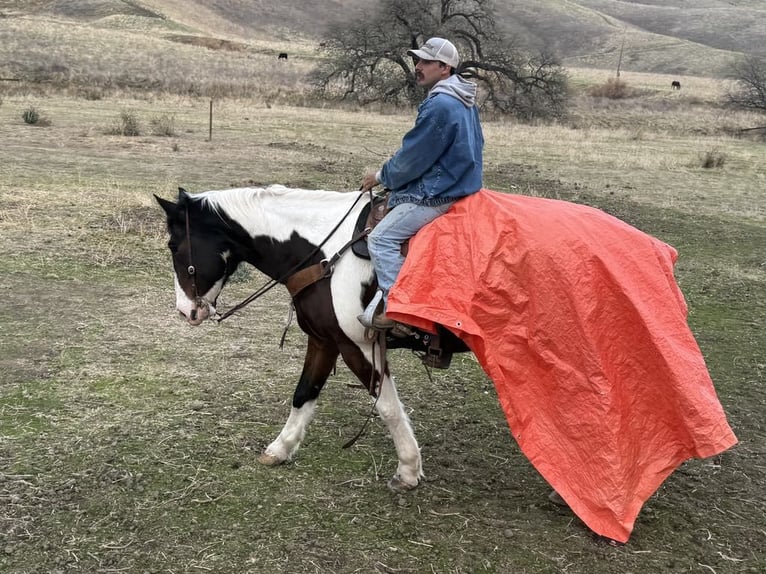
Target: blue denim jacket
[440,159]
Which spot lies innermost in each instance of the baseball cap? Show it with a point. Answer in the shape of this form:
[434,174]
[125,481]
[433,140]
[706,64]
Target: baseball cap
[438,49]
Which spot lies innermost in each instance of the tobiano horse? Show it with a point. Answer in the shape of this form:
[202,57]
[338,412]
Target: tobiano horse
[285,233]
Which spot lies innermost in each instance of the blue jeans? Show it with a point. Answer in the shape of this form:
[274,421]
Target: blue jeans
[385,241]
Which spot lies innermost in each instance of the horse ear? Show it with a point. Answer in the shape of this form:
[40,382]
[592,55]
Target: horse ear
[183,198]
[169,207]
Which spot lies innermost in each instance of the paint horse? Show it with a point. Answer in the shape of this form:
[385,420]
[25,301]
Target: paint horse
[281,232]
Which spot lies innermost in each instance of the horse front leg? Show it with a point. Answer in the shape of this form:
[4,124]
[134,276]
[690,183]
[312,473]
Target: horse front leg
[410,468]
[317,366]
[409,471]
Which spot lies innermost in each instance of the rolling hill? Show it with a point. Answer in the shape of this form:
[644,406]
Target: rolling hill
[676,36]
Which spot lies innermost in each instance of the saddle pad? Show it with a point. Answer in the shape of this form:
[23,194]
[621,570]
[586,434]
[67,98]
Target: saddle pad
[577,319]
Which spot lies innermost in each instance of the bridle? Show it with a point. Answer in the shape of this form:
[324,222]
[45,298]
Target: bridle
[327,265]
[326,270]
[191,270]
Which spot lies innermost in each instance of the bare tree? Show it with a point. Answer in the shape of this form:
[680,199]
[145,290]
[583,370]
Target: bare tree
[367,62]
[750,90]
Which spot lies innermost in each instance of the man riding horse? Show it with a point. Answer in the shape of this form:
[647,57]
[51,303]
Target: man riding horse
[440,161]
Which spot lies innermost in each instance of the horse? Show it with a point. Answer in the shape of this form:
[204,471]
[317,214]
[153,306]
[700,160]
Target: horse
[675,85]
[286,233]
[282,56]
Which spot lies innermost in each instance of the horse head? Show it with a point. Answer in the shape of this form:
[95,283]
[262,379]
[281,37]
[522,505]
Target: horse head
[203,257]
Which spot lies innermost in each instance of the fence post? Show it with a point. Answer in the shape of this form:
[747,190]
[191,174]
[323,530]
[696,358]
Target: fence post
[210,125]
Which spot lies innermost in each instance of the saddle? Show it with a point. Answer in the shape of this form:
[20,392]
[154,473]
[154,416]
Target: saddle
[369,217]
[435,357]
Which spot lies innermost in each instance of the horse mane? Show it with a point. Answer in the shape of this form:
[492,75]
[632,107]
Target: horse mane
[266,210]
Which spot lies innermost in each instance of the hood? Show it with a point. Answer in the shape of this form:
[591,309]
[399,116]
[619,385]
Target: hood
[456,87]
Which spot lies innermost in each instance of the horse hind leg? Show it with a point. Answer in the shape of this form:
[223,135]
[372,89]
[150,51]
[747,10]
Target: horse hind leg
[317,366]
[409,470]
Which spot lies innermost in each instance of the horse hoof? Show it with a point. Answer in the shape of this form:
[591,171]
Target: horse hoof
[269,459]
[398,486]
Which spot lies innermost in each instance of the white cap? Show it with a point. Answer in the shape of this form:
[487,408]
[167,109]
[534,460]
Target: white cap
[438,49]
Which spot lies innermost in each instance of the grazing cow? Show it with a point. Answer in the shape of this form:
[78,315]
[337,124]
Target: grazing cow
[675,85]
[282,56]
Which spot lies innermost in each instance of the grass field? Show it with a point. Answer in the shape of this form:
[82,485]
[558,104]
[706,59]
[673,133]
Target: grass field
[128,440]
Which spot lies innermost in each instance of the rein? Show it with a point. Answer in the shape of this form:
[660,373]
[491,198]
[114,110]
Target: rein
[327,265]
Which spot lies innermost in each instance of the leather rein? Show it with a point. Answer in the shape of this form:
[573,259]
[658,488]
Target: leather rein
[296,279]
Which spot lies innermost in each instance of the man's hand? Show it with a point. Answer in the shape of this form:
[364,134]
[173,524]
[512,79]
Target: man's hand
[369,181]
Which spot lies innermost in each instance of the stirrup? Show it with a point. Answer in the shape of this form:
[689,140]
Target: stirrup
[369,313]
[437,359]
[401,331]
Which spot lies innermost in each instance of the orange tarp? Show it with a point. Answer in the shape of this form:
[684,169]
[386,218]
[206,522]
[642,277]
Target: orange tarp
[577,319]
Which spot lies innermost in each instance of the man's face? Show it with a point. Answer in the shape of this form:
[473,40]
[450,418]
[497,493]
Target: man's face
[428,72]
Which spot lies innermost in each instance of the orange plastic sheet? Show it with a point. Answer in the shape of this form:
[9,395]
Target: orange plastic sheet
[577,319]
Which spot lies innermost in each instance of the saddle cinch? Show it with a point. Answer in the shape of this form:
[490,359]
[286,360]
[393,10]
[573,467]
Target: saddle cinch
[435,356]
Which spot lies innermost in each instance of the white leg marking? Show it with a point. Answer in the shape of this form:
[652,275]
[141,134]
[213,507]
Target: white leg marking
[288,441]
[410,469]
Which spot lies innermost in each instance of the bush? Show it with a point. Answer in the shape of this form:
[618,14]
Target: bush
[126,125]
[164,125]
[614,89]
[712,158]
[31,116]
[34,117]
[92,94]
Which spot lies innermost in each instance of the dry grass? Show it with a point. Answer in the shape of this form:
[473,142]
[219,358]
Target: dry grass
[116,60]
[695,89]
[651,157]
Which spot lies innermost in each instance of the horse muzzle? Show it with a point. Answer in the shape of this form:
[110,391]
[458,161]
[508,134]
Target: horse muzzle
[199,312]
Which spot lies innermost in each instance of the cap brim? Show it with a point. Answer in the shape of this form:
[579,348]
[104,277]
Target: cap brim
[420,54]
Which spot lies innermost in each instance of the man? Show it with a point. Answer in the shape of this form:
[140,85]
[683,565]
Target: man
[439,161]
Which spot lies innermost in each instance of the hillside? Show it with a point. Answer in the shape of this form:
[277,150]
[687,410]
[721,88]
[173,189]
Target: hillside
[695,38]
[675,37]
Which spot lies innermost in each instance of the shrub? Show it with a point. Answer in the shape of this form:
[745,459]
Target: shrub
[614,89]
[92,94]
[712,158]
[31,116]
[34,117]
[126,125]
[164,125]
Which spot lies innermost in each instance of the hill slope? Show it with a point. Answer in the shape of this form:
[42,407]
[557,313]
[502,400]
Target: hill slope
[669,36]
